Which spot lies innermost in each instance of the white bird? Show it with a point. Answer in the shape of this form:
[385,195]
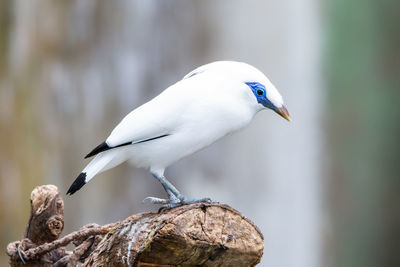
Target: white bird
[208,103]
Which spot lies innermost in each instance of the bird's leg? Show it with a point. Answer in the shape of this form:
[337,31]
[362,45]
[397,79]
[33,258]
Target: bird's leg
[175,197]
[169,188]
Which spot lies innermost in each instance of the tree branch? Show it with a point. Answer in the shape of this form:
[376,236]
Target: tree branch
[206,234]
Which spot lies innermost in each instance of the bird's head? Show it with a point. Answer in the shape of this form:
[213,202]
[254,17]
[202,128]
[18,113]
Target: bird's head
[269,97]
[252,84]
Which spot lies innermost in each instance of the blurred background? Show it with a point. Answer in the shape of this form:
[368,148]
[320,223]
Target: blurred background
[324,189]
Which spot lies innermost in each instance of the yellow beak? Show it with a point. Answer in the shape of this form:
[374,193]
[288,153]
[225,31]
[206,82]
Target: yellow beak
[283,112]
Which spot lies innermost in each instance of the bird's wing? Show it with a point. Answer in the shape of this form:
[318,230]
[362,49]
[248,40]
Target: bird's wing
[155,119]
[164,115]
[137,127]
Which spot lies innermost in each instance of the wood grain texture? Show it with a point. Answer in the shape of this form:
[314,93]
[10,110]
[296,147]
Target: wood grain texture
[205,234]
[201,234]
[45,224]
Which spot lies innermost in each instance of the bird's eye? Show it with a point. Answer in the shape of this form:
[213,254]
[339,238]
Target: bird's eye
[260,92]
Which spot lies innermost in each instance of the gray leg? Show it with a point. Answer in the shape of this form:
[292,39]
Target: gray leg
[170,188]
[175,197]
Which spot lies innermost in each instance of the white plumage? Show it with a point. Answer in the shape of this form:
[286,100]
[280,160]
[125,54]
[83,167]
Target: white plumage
[210,102]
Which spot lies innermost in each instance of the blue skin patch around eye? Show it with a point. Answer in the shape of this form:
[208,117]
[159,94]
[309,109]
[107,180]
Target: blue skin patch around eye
[261,98]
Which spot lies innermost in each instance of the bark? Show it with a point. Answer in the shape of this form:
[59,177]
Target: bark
[201,234]
[206,234]
[45,224]
[46,220]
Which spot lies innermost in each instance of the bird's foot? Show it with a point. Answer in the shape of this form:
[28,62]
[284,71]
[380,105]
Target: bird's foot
[185,201]
[156,200]
[174,201]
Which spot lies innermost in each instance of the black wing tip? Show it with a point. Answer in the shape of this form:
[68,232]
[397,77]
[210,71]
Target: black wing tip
[100,148]
[77,184]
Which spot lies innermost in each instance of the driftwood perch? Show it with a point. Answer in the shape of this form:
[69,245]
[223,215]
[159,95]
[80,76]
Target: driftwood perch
[201,234]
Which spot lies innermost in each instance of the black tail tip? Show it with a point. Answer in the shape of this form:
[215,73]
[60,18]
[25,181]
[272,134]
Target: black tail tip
[77,184]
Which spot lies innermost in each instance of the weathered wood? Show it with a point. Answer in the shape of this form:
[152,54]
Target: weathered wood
[33,254]
[46,220]
[45,224]
[201,234]
[206,234]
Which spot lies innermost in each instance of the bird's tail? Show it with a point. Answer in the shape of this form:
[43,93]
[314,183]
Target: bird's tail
[100,163]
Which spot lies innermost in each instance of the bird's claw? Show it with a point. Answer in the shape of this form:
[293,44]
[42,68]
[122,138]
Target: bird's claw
[156,200]
[174,201]
[185,201]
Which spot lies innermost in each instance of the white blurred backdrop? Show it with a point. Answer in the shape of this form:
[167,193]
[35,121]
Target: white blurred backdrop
[73,69]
